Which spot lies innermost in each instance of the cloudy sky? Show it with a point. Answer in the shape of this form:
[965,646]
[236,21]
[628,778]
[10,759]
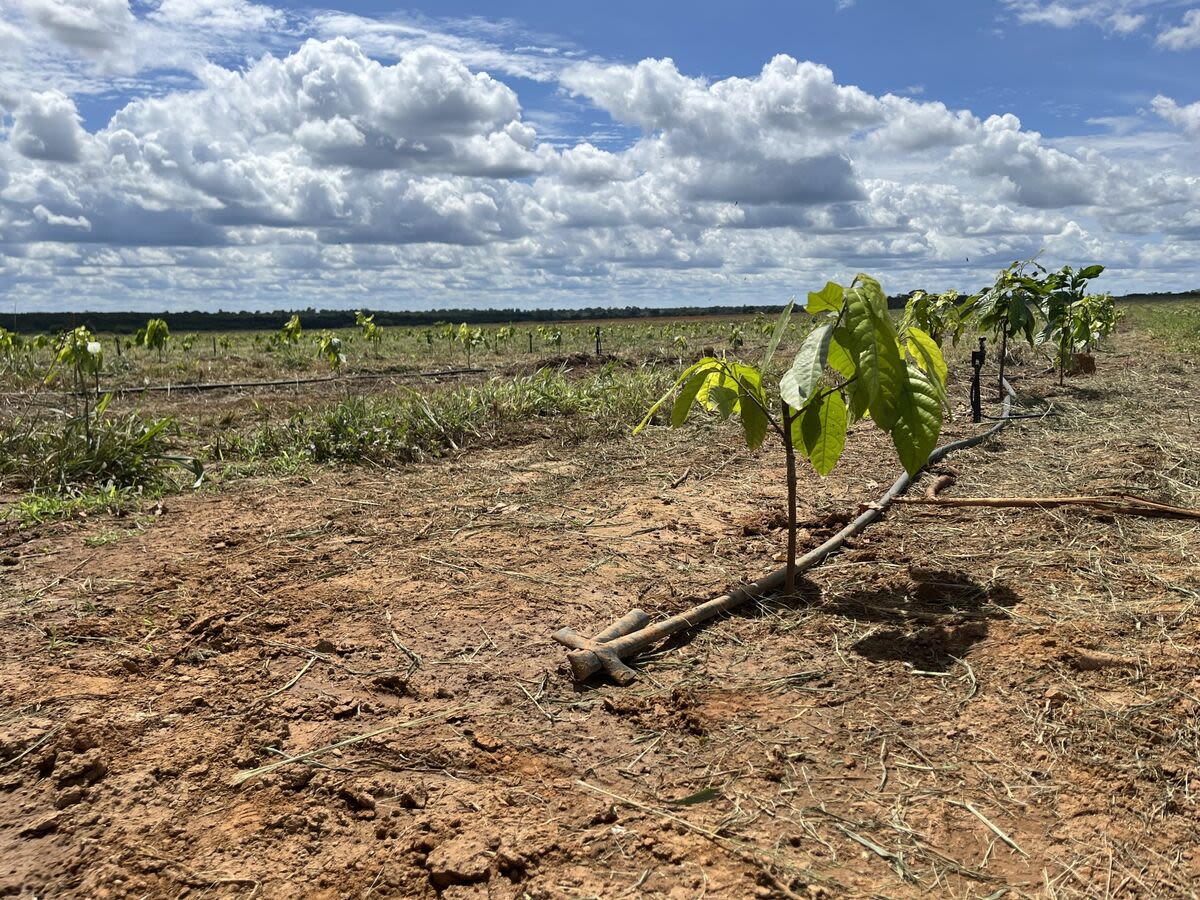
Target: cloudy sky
[183,154]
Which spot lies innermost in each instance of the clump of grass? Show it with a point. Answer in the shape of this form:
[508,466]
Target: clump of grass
[90,451]
[38,507]
[398,429]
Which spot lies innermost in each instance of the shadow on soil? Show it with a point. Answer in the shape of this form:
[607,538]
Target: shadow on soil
[928,621]
[937,617]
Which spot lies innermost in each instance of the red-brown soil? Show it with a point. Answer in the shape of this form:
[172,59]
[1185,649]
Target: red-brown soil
[926,717]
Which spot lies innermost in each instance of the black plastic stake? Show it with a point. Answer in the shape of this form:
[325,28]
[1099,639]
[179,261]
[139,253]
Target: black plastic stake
[978,357]
[599,348]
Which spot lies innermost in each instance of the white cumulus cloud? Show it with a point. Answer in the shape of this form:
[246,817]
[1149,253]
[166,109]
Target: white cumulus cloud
[46,126]
[394,159]
[1184,36]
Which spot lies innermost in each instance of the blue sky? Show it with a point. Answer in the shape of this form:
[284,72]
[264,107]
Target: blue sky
[202,153]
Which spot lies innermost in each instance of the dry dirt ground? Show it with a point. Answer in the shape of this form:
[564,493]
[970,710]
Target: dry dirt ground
[964,703]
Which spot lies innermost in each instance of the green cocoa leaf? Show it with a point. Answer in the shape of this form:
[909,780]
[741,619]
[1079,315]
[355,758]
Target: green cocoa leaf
[707,362]
[687,395]
[777,334]
[828,299]
[823,430]
[873,292]
[889,370]
[802,378]
[752,402]
[840,357]
[918,421]
[927,353]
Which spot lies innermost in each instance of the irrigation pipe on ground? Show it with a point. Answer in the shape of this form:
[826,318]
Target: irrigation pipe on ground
[283,382]
[630,636]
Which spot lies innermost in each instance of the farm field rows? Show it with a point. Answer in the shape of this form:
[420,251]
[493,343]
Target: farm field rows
[962,702]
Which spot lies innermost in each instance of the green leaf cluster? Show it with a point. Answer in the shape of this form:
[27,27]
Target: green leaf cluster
[80,353]
[1013,305]
[854,365]
[370,330]
[329,345]
[1076,320]
[291,332]
[155,335]
[938,315]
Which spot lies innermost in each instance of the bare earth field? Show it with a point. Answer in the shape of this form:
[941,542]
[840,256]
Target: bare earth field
[964,703]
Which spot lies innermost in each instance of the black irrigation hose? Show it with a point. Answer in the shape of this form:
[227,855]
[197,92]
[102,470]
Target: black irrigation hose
[1040,415]
[585,661]
[283,382]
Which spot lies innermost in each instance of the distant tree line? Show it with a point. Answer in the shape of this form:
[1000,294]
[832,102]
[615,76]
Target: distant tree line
[313,319]
[129,322]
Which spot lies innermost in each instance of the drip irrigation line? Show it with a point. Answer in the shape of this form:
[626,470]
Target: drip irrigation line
[1039,415]
[587,657]
[283,382]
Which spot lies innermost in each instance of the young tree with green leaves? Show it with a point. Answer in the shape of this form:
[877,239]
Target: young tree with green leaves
[329,345]
[470,338]
[10,342]
[1098,318]
[1064,294]
[853,365]
[938,315]
[155,336]
[371,332]
[83,356]
[291,332]
[1012,306]
[504,335]
[551,336]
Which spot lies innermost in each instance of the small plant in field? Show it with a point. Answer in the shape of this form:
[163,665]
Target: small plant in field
[853,365]
[329,346]
[938,315]
[737,337]
[1100,316]
[551,336]
[504,335]
[93,450]
[80,354]
[371,332]
[155,336]
[91,447]
[470,338]
[10,347]
[1066,323]
[1012,306]
[291,332]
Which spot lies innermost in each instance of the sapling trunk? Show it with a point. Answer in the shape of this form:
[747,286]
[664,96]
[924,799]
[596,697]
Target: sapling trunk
[1003,358]
[1062,349]
[789,452]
